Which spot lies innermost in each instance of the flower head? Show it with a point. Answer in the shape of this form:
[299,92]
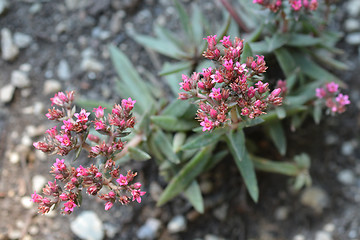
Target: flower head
[99,112]
[207,124]
[128,104]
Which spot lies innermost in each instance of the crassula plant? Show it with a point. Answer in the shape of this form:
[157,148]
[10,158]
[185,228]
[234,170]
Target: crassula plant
[104,179]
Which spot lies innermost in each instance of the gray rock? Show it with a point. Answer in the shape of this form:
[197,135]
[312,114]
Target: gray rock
[35,8]
[22,40]
[20,79]
[322,235]
[87,226]
[9,50]
[91,65]
[7,93]
[14,157]
[212,237]
[3,6]
[299,237]
[315,198]
[38,182]
[221,212]
[111,230]
[150,229]
[155,190]
[25,67]
[347,148]
[352,24]
[101,34]
[346,177]
[61,27]
[353,8]
[51,86]
[281,213]
[353,38]
[63,70]
[177,224]
[116,21]
[26,202]
[75,4]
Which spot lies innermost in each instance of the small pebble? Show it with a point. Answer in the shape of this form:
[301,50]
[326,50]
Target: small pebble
[281,213]
[7,93]
[14,157]
[51,86]
[322,235]
[346,177]
[353,38]
[33,230]
[353,8]
[38,182]
[315,198]
[177,224]
[9,50]
[3,6]
[63,70]
[20,79]
[87,225]
[352,24]
[111,230]
[221,211]
[330,227]
[91,65]
[347,148]
[150,229]
[299,237]
[26,202]
[22,40]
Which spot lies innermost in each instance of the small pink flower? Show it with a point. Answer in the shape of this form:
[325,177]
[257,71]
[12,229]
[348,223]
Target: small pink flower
[111,194]
[122,180]
[137,185]
[128,104]
[226,41]
[216,94]
[98,175]
[211,41]
[240,68]
[332,87]
[63,139]
[59,165]
[81,171]
[207,124]
[64,197]
[100,125]
[185,85]
[245,111]
[217,77]
[137,195]
[36,198]
[342,99]
[228,64]
[213,113]
[68,125]
[69,206]
[276,92]
[82,117]
[99,112]
[108,205]
[262,87]
[251,92]
[52,132]
[320,93]
[42,146]
[296,5]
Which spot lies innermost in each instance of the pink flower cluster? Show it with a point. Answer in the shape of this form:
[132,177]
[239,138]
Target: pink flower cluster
[296,5]
[231,87]
[72,136]
[332,99]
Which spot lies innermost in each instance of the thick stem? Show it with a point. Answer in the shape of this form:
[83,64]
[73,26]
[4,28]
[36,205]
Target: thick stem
[235,16]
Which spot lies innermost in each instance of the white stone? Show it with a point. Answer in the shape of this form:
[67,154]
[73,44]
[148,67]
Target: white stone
[315,198]
[347,148]
[111,230]
[221,212]
[33,131]
[52,86]
[353,38]
[25,67]
[150,229]
[22,40]
[88,226]
[3,6]
[322,235]
[299,237]
[330,227]
[26,202]
[352,24]
[353,8]
[91,65]
[26,141]
[177,224]
[38,182]
[281,213]
[7,93]
[9,50]
[63,70]
[20,79]
[346,177]
[14,157]
[116,21]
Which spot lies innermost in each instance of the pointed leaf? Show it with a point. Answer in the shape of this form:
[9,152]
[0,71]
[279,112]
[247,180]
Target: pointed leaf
[186,175]
[285,61]
[236,144]
[169,68]
[89,105]
[276,41]
[130,78]
[277,135]
[193,194]
[138,154]
[203,140]
[302,40]
[266,165]
[317,113]
[164,146]
[247,52]
[197,25]
[184,18]
[174,124]
[176,108]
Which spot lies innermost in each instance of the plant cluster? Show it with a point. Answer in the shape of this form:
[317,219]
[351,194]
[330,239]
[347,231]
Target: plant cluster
[74,135]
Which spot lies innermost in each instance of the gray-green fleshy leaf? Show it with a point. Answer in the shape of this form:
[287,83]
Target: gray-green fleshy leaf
[247,52]
[286,61]
[236,143]
[184,19]
[176,108]
[204,139]
[164,146]
[186,175]
[131,79]
[317,113]
[170,68]
[277,135]
[302,40]
[193,194]
[266,165]
[138,154]
[174,124]
[89,105]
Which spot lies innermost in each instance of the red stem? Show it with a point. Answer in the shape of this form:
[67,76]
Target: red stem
[234,15]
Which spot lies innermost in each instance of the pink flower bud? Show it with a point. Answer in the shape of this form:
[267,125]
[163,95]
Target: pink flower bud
[108,205]
[137,185]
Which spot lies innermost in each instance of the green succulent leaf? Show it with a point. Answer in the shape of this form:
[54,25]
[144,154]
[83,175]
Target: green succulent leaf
[176,108]
[89,105]
[164,145]
[184,18]
[236,143]
[247,52]
[186,175]
[277,135]
[193,194]
[131,80]
[173,124]
[204,139]
[267,165]
[302,40]
[170,68]
[138,154]
[286,61]
[317,113]
[197,25]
